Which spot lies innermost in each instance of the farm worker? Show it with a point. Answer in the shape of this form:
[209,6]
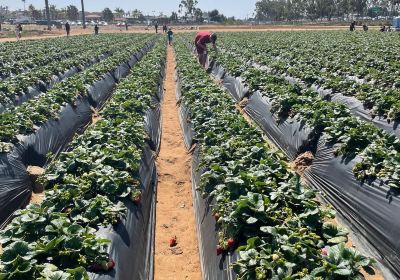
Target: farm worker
[202,39]
[18,31]
[156,27]
[126,25]
[164,28]
[67,28]
[96,29]
[353,26]
[365,27]
[383,29]
[170,35]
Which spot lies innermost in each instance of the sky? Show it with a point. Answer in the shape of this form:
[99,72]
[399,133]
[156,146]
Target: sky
[236,8]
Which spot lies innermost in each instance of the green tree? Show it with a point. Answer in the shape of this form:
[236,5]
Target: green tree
[119,12]
[216,16]
[198,15]
[3,14]
[72,12]
[188,7]
[137,14]
[34,13]
[174,16]
[54,12]
[323,9]
[271,10]
[107,15]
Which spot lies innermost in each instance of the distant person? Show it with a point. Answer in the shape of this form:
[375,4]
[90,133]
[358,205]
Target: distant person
[202,39]
[352,26]
[164,28]
[18,31]
[156,27]
[365,27]
[389,29]
[170,35]
[126,25]
[383,28]
[67,28]
[96,30]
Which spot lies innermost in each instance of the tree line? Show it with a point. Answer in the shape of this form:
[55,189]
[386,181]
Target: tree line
[292,10]
[187,10]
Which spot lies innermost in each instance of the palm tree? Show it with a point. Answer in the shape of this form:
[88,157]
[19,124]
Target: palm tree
[119,12]
[24,5]
[47,13]
[83,15]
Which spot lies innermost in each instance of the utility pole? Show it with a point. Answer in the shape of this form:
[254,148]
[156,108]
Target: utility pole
[47,14]
[83,15]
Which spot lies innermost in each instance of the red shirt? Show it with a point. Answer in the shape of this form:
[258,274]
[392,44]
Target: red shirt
[202,38]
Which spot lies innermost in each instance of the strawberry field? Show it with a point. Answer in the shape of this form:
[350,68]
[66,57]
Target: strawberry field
[285,131]
[94,182]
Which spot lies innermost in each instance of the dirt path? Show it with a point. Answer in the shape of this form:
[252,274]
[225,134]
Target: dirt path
[175,216]
[184,29]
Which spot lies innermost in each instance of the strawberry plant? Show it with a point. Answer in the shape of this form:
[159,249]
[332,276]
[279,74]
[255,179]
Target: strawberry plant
[296,100]
[259,204]
[87,187]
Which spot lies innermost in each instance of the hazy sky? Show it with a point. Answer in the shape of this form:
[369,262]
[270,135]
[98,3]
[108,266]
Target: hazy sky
[237,8]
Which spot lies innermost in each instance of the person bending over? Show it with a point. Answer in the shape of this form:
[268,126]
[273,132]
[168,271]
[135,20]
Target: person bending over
[201,41]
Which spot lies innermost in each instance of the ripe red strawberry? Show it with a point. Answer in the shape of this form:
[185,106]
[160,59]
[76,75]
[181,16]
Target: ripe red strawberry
[111,263]
[137,199]
[172,242]
[231,243]
[220,250]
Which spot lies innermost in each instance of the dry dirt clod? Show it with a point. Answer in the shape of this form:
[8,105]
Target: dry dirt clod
[34,173]
[176,251]
[302,162]
[243,103]
[95,115]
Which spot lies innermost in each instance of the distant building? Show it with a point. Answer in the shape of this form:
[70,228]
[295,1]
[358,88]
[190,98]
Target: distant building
[93,16]
[120,19]
[160,19]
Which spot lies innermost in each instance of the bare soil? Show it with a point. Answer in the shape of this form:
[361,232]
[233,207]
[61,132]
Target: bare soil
[34,173]
[38,190]
[41,33]
[175,214]
[37,198]
[302,162]
[95,116]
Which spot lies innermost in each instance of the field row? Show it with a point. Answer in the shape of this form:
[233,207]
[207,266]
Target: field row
[351,160]
[24,119]
[260,207]
[92,190]
[363,65]
[97,133]
[352,136]
[64,58]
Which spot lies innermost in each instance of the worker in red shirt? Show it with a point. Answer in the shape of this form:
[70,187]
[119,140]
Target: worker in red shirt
[201,41]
